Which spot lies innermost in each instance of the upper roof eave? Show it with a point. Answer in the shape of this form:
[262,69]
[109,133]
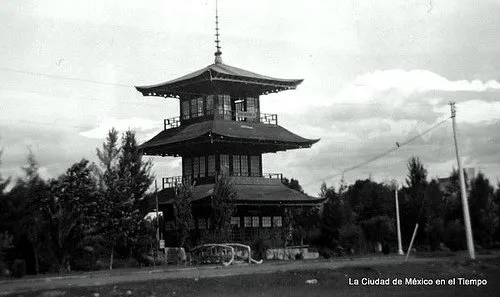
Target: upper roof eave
[218,72]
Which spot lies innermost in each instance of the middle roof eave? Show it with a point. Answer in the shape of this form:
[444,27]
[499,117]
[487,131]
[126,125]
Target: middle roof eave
[230,129]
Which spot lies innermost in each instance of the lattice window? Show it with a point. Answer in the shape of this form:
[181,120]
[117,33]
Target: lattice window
[196,166]
[244,165]
[201,111]
[235,222]
[224,163]
[255,222]
[185,110]
[211,165]
[236,165]
[266,222]
[255,165]
[194,108]
[202,166]
[202,224]
[187,170]
[210,104]
[277,222]
[247,221]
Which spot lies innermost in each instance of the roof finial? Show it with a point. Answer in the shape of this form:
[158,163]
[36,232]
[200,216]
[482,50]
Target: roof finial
[218,53]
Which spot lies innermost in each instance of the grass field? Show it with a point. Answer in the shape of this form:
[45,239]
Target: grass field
[328,283]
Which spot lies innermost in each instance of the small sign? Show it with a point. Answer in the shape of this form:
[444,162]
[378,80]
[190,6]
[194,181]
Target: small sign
[162,243]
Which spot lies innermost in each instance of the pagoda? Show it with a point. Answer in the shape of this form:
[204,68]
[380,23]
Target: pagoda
[221,130]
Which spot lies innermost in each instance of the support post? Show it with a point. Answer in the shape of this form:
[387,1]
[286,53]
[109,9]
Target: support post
[465,202]
[157,217]
[411,242]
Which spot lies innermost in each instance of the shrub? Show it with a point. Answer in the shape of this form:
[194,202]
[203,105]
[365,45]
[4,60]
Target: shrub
[19,268]
[259,248]
[351,237]
[454,235]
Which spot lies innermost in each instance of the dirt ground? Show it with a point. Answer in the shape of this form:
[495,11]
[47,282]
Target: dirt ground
[471,278]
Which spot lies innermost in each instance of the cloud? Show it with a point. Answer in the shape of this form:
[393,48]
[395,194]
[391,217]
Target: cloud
[135,123]
[365,87]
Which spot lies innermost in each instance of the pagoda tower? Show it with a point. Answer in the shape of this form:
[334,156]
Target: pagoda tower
[222,130]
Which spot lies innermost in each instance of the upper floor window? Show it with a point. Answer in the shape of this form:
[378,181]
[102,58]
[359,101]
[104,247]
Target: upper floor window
[185,110]
[255,165]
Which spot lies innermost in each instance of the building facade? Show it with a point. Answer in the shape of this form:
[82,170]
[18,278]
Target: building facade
[221,129]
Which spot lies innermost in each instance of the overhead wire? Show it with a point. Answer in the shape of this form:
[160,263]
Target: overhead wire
[343,172]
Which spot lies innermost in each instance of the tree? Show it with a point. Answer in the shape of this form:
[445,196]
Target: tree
[33,223]
[71,211]
[414,198]
[136,174]
[483,210]
[124,180]
[183,216]
[223,207]
[293,184]
[332,216]
[112,190]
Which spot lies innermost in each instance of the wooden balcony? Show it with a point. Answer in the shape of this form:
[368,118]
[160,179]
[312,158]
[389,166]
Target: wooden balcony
[228,115]
[264,179]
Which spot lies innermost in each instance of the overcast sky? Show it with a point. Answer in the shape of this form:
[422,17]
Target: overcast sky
[375,73]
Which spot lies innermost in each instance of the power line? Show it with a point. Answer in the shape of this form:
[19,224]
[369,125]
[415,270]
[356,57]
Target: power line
[383,154]
[63,77]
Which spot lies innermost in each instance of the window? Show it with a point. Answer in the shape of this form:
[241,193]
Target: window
[255,222]
[225,106]
[185,110]
[187,170]
[202,166]
[196,166]
[235,222]
[266,222]
[277,222]
[194,108]
[211,165]
[224,163]
[202,224]
[244,165]
[210,104]
[200,106]
[236,165]
[247,221]
[255,165]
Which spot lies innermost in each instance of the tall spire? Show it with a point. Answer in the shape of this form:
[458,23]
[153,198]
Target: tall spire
[218,53]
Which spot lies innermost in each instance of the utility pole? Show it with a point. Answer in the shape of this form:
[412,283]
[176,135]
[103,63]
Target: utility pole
[400,245]
[465,202]
[157,217]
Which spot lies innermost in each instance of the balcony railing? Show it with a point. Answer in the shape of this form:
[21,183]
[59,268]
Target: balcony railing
[177,181]
[230,115]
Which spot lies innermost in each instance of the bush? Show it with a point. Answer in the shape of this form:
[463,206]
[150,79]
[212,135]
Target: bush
[351,237]
[19,268]
[259,248]
[454,235]
[325,252]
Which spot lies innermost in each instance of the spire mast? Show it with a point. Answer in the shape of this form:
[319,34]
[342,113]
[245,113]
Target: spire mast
[218,53]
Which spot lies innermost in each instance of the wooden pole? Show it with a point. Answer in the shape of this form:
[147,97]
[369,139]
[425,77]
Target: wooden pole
[398,225]
[411,242]
[157,217]
[465,202]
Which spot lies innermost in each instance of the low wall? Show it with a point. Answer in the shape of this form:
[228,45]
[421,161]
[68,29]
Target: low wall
[290,253]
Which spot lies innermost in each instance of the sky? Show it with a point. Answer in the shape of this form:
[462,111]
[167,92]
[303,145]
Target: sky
[375,73]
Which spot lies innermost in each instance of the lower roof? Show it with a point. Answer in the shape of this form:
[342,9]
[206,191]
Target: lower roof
[255,193]
[172,141]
